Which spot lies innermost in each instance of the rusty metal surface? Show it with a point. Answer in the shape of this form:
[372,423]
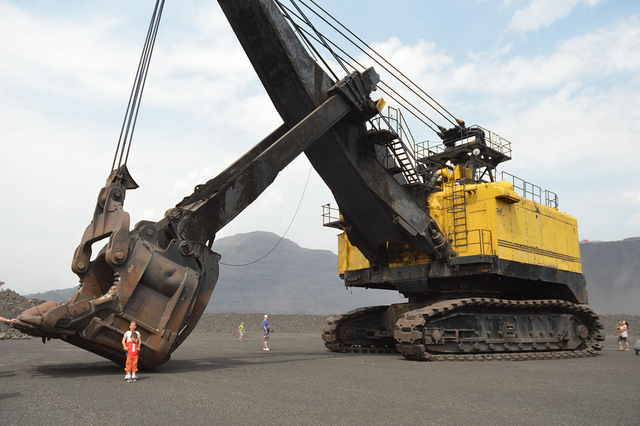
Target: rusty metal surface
[222,198]
[161,275]
[164,288]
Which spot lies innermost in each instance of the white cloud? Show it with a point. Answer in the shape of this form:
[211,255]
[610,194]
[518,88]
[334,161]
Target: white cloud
[634,223]
[543,13]
[77,58]
[602,53]
[632,196]
[570,112]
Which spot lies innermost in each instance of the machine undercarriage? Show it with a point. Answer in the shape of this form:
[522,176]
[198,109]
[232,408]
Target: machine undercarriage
[470,329]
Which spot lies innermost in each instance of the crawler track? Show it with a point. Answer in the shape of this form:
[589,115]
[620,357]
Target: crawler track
[478,329]
[359,331]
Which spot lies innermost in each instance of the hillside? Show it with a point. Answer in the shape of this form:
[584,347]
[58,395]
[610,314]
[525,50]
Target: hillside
[292,279]
[612,270]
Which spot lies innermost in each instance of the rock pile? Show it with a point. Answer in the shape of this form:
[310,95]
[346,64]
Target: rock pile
[11,305]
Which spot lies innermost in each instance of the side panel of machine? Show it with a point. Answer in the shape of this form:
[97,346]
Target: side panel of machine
[496,222]
[499,222]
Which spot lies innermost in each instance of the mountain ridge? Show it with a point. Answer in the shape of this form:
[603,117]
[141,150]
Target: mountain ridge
[262,272]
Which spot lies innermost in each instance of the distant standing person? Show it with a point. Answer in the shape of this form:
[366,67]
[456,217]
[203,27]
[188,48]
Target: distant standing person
[624,333]
[241,331]
[618,325]
[131,344]
[266,329]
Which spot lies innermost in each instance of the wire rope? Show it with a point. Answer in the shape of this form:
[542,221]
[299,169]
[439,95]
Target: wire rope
[286,12]
[416,112]
[454,122]
[285,232]
[131,115]
[381,62]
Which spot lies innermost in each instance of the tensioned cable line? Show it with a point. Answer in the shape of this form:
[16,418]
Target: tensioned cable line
[285,232]
[301,32]
[326,42]
[379,55]
[131,114]
[406,104]
[409,87]
[320,36]
[312,49]
[417,112]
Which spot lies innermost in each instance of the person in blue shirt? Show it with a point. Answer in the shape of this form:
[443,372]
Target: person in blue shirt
[266,329]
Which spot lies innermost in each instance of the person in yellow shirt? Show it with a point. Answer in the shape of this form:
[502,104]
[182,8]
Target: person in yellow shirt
[241,331]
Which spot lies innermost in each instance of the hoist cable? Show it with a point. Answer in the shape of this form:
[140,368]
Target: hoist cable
[418,110]
[320,36]
[131,114]
[144,80]
[374,51]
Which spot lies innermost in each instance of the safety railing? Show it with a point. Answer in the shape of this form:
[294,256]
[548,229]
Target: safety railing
[394,121]
[475,238]
[401,151]
[530,191]
[331,217]
[491,139]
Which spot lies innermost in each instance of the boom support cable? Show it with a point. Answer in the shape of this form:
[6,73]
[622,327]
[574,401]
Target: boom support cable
[131,115]
[407,105]
[381,61]
[381,57]
[320,39]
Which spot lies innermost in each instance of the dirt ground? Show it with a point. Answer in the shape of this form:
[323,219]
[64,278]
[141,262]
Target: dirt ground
[215,379]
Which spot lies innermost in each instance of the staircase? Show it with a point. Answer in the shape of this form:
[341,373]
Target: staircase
[389,131]
[405,159]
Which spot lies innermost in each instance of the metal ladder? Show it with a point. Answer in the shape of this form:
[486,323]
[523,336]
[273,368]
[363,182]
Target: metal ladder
[458,234]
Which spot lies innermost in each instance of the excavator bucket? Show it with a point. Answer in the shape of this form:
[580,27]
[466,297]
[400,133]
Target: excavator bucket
[163,289]
[148,275]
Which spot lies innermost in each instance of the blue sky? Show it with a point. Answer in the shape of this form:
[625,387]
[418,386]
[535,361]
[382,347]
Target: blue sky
[560,80]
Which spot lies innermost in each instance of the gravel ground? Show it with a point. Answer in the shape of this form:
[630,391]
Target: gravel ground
[214,379]
[609,322]
[299,323]
[280,323]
